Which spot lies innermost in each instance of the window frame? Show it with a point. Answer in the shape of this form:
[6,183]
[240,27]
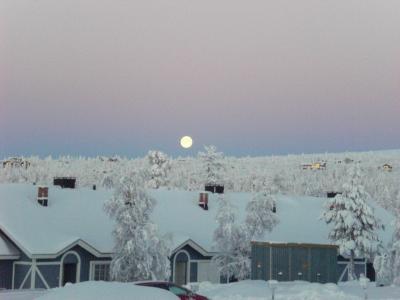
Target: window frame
[93,265]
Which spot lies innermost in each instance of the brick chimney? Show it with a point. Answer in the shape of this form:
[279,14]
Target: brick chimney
[203,201]
[43,195]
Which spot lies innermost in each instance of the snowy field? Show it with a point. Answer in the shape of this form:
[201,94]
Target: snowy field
[244,290]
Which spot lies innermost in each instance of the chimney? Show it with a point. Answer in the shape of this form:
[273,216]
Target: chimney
[43,195]
[203,201]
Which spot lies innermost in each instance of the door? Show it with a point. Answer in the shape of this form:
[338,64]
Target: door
[69,273]
[180,276]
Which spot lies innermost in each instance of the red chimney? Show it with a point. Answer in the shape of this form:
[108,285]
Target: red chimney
[203,201]
[43,195]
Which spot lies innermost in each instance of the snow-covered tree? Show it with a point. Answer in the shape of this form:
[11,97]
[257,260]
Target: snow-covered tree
[107,182]
[230,240]
[396,245]
[213,162]
[353,222]
[233,240]
[139,253]
[159,165]
[383,265]
[260,214]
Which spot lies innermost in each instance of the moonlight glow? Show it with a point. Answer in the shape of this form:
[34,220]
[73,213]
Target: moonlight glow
[186,142]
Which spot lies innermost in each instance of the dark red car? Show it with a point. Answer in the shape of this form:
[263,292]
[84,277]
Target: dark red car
[182,293]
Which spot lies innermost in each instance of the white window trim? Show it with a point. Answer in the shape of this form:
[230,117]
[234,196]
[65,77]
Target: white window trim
[187,267]
[93,264]
[78,267]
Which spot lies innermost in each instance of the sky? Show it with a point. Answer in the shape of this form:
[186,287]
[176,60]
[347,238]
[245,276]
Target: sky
[259,77]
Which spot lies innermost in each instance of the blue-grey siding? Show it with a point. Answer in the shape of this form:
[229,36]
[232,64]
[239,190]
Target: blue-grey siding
[193,272]
[85,257]
[6,267]
[286,262]
[300,269]
[48,268]
[51,273]
[20,273]
[39,283]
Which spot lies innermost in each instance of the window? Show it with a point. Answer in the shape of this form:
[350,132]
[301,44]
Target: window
[178,291]
[101,271]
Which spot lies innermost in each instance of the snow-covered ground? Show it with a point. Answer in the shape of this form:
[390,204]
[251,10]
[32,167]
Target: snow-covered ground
[244,290]
[259,290]
[94,290]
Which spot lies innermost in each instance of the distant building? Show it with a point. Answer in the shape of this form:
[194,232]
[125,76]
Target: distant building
[387,167]
[314,166]
[16,162]
[348,160]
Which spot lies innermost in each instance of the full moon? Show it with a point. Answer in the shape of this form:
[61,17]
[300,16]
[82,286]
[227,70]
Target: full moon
[186,142]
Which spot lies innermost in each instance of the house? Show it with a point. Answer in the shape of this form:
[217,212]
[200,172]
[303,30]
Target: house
[387,167]
[314,166]
[68,238]
[16,162]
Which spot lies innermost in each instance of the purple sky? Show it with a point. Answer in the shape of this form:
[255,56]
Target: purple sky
[252,77]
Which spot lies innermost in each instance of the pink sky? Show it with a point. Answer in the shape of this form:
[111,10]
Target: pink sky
[252,77]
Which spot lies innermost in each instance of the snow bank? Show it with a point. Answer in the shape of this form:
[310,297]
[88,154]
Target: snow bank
[21,294]
[298,290]
[100,290]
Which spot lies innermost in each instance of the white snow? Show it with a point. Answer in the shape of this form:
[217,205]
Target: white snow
[298,290]
[243,290]
[100,290]
[91,290]
[78,215]
[7,249]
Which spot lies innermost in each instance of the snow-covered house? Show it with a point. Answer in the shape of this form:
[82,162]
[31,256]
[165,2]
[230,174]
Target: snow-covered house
[16,162]
[314,166]
[387,167]
[70,239]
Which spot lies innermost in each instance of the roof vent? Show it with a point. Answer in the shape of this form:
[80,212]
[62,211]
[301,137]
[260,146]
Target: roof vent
[43,195]
[203,201]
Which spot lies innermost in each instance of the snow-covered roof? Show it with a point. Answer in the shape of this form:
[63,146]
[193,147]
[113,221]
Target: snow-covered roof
[76,216]
[72,217]
[7,249]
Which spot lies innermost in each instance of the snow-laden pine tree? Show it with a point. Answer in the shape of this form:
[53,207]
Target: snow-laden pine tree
[213,163]
[159,165]
[260,214]
[396,245]
[353,224]
[140,253]
[231,243]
